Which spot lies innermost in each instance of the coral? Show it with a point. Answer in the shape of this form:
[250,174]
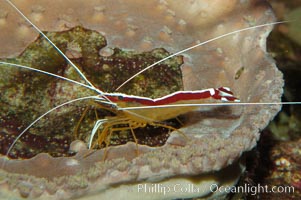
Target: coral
[276,159]
[277,164]
[217,136]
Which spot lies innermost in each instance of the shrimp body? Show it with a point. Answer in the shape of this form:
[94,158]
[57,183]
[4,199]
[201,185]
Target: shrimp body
[162,113]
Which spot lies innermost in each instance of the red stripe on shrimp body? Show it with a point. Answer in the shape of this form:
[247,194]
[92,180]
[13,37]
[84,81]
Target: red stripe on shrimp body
[221,93]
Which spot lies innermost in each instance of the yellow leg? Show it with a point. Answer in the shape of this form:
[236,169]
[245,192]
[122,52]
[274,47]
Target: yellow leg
[91,103]
[180,122]
[136,141]
[107,142]
[104,135]
[75,132]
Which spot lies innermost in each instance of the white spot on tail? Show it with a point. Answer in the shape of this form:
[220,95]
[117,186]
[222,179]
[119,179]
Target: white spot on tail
[212,91]
[224,99]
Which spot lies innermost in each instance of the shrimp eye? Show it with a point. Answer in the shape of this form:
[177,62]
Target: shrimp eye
[120,97]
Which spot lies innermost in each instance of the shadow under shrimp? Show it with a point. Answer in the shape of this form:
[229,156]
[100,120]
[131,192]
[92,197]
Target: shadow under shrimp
[219,113]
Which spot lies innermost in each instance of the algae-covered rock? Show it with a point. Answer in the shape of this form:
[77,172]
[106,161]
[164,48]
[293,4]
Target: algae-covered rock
[28,94]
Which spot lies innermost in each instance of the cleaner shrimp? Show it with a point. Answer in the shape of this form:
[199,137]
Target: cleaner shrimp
[121,112]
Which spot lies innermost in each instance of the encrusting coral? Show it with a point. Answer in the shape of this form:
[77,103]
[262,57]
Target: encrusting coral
[217,136]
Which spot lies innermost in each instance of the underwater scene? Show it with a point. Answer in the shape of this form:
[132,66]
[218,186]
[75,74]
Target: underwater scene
[158,99]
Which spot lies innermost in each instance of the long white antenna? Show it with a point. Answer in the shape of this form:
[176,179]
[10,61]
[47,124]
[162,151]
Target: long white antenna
[58,76]
[210,104]
[37,29]
[197,45]
[54,75]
